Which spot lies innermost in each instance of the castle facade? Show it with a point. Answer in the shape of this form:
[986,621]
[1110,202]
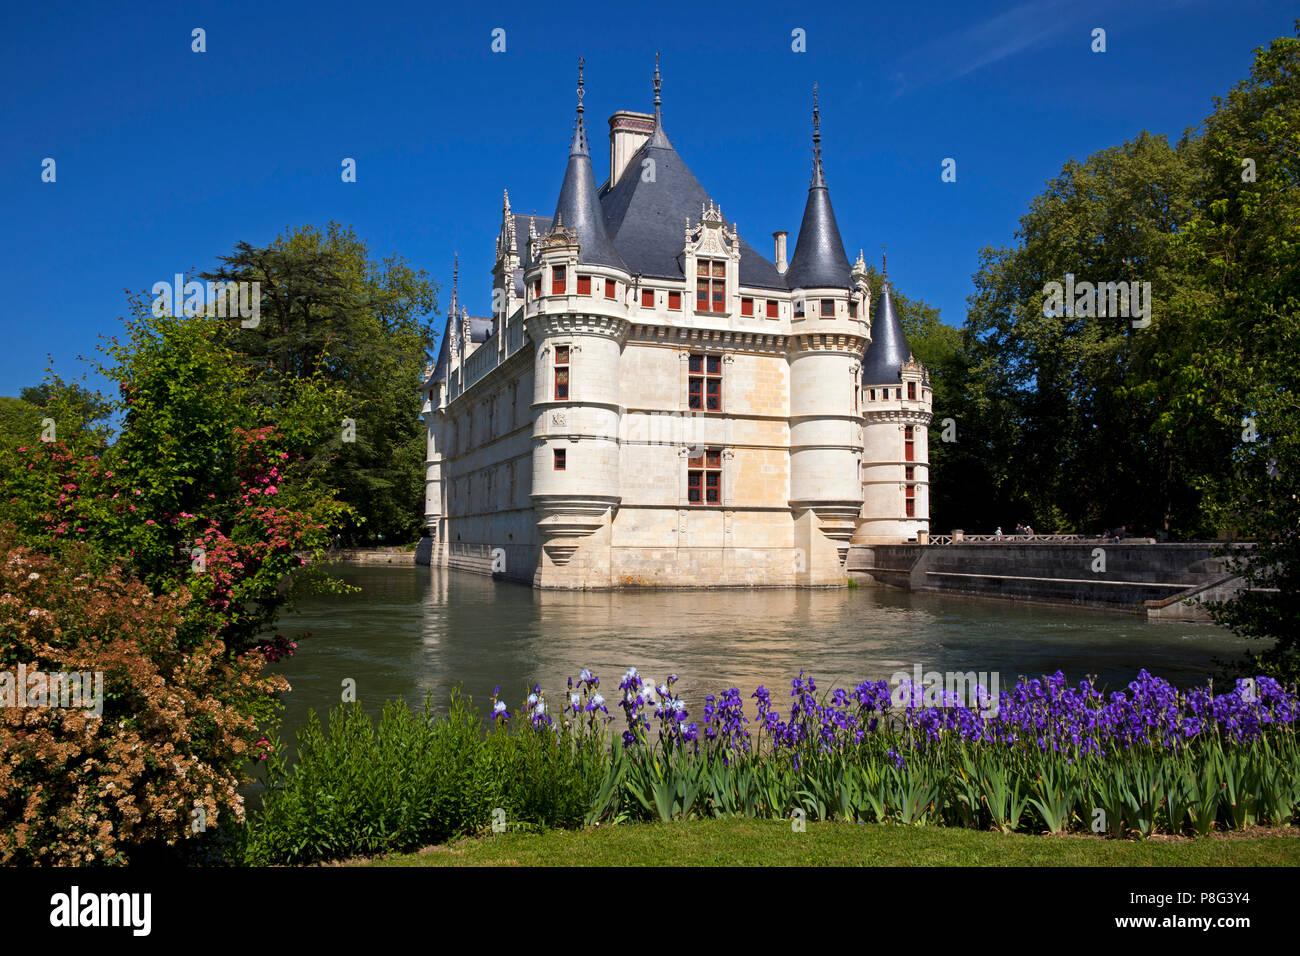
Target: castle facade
[654,403]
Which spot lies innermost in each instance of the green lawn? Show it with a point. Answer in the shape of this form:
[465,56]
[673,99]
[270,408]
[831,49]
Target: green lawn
[772,843]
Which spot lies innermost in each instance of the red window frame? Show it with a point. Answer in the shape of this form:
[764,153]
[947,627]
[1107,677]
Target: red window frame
[704,382]
[675,301]
[771,308]
[911,391]
[910,504]
[558,280]
[746,306]
[611,289]
[561,372]
[584,285]
[827,308]
[910,472]
[559,459]
[704,478]
[537,288]
[647,298]
[909,443]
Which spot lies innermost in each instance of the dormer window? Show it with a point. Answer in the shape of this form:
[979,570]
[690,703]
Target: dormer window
[557,280]
[911,391]
[711,285]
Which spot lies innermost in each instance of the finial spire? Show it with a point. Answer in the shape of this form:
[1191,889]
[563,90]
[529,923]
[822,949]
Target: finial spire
[579,146]
[819,178]
[884,262]
[658,85]
[455,283]
[657,136]
[581,63]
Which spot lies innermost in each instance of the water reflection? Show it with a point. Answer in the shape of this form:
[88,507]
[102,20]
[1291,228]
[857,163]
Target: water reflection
[412,631]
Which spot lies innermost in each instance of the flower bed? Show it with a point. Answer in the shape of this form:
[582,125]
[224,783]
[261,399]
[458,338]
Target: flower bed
[1049,757]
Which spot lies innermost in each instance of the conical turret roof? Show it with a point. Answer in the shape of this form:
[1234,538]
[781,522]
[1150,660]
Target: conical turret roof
[888,349]
[819,260]
[577,208]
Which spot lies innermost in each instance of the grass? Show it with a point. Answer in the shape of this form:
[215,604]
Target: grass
[740,842]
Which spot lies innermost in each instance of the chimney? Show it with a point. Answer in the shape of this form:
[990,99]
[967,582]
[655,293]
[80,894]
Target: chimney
[779,236]
[627,131]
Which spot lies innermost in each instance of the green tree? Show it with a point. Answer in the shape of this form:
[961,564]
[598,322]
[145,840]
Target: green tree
[1239,372]
[329,309]
[1072,424]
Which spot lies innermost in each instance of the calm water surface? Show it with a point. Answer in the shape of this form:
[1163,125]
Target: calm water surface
[412,631]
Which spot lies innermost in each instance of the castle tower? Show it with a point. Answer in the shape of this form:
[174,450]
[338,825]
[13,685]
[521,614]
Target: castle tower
[576,316]
[897,405]
[828,333]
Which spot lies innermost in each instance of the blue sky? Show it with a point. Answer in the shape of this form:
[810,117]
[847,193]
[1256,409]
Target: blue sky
[166,158]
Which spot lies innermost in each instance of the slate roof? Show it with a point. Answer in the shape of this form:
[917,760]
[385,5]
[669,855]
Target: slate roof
[542,225]
[647,220]
[819,259]
[888,349]
[444,360]
[578,208]
[480,330]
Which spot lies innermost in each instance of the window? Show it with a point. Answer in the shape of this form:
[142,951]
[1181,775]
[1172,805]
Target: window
[647,298]
[562,372]
[611,289]
[828,308]
[911,472]
[710,285]
[910,502]
[705,376]
[537,288]
[559,459]
[674,300]
[871,394]
[704,478]
[798,308]
[771,308]
[584,285]
[911,391]
[557,280]
[746,306]
[909,442]
[853,308]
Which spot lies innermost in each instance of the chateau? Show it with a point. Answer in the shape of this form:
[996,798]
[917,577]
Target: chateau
[654,403]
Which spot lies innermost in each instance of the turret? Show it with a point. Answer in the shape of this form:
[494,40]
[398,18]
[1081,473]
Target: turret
[897,405]
[827,336]
[576,317]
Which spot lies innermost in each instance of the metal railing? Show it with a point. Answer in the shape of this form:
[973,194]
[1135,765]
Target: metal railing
[1014,538]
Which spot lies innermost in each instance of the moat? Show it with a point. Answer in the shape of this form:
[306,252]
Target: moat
[412,630]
